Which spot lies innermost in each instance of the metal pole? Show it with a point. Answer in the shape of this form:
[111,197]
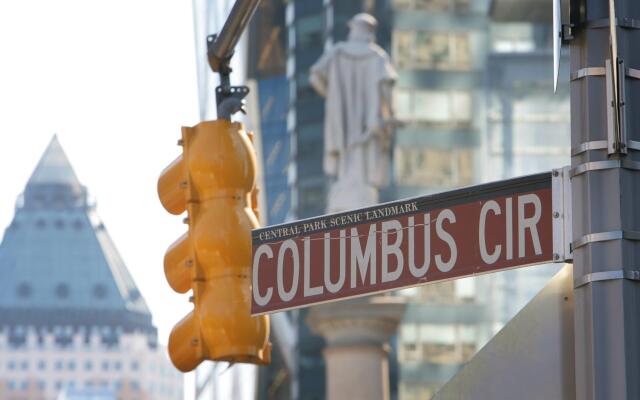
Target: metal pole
[225,42]
[606,199]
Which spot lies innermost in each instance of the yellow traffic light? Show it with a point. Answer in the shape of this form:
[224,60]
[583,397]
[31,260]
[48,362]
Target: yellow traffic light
[214,181]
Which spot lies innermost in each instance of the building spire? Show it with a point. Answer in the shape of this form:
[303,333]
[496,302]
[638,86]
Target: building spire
[53,183]
[54,167]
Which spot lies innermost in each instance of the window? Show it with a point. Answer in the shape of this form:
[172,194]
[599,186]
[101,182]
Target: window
[62,291]
[88,365]
[512,37]
[59,365]
[11,365]
[71,365]
[24,365]
[23,290]
[117,365]
[134,365]
[433,167]
[434,107]
[42,365]
[105,365]
[432,50]
[432,5]
[100,291]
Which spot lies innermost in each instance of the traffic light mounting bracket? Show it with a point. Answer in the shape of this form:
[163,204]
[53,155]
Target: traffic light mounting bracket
[229,99]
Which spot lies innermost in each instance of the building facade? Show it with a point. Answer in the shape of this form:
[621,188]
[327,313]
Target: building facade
[71,316]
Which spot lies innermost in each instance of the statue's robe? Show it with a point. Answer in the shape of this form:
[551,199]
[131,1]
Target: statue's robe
[356,140]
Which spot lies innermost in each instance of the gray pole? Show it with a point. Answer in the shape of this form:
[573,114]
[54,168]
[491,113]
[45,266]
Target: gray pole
[606,200]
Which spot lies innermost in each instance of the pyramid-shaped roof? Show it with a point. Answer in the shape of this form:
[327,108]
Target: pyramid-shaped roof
[54,167]
[57,262]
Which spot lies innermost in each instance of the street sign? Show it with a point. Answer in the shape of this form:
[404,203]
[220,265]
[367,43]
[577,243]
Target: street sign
[404,243]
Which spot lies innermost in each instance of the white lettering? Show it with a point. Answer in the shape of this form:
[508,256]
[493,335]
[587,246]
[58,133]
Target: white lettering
[421,271]
[288,245]
[264,249]
[361,261]
[490,205]
[509,228]
[308,290]
[334,287]
[446,237]
[528,223]
[388,250]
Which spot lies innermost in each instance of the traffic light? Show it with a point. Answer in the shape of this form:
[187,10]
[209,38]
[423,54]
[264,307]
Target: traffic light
[214,181]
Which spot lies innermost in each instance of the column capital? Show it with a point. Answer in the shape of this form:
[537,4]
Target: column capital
[358,322]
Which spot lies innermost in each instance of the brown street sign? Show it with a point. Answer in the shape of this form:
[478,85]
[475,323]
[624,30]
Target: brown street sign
[404,243]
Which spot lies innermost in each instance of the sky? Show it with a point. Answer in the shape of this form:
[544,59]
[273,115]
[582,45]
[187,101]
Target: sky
[115,80]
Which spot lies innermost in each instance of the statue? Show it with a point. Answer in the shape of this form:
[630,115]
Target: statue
[356,78]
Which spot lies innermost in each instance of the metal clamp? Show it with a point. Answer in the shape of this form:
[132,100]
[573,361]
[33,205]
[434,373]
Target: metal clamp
[603,165]
[593,145]
[562,215]
[624,22]
[616,110]
[606,276]
[587,71]
[632,73]
[605,237]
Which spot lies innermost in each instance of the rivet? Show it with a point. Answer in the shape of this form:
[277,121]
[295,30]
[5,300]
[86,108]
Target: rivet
[556,214]
[556,256]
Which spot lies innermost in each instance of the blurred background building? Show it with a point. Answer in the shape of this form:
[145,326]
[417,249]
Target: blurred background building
[73,323]
[476,96]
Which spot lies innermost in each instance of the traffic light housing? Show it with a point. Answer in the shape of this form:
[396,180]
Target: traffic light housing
[214,181]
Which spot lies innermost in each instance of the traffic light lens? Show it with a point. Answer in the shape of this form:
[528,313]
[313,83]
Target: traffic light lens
[172,187]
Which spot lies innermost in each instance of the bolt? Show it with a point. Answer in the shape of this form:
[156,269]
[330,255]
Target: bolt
[556,256]
[556,214]
[555,173]
[194,341]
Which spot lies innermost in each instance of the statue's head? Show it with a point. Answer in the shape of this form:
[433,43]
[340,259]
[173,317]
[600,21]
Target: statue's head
[363,27]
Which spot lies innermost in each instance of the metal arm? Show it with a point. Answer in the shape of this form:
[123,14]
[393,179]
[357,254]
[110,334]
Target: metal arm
[220,49]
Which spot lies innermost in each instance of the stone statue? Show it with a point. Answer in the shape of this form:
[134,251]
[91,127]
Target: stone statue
[356,78]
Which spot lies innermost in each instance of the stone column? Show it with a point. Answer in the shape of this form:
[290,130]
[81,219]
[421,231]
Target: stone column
[357,334]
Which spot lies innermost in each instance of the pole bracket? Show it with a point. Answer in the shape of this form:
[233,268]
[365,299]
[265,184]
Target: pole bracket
[587,146]
[587,71]
[605,237]
[562,215]
[625,23]
[606,276]
[604,165]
